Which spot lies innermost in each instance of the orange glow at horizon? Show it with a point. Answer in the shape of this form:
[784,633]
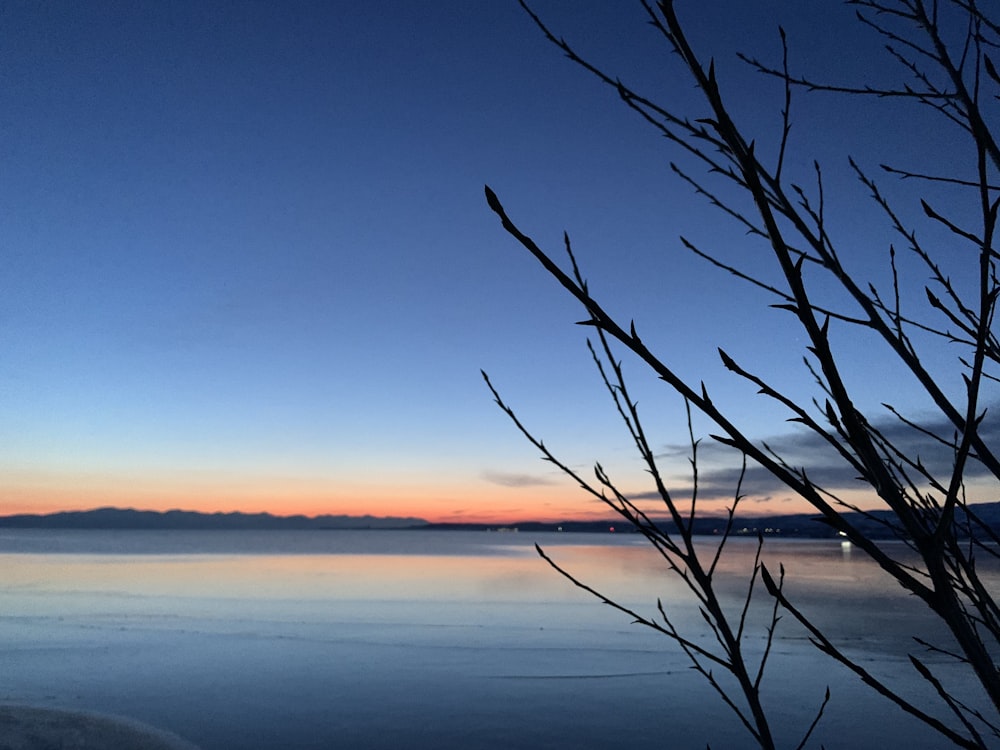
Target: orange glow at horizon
[469,501]
[472,501]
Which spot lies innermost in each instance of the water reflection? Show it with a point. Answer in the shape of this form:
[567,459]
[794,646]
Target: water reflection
[310,640]
[460,568]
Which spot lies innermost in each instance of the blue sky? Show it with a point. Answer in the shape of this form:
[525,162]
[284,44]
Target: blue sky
[250,266]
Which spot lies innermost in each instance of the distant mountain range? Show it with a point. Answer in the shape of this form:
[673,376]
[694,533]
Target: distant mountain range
[118,518]
[799,525]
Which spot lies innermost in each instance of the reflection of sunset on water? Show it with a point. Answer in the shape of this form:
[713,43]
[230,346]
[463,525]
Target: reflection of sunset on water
[317,636]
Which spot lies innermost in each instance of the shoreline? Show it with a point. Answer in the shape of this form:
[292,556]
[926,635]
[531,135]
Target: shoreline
[26,727]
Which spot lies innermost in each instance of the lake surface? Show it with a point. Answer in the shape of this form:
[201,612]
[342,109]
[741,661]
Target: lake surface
[424,639]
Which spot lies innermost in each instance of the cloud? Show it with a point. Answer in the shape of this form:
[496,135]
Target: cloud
[719,474]
[677,450]
[510,479]
[719,465]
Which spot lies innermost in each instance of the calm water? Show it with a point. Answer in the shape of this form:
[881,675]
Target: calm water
[379,639]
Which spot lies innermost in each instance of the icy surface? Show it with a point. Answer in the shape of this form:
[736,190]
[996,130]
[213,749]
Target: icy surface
[393,640]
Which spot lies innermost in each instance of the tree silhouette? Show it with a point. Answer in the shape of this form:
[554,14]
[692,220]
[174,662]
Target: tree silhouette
[942,55]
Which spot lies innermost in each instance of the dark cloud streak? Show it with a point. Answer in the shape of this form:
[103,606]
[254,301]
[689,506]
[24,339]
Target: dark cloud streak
[509,479]
[718,475]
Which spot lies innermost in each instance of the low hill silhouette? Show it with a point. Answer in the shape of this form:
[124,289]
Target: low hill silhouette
[127,518]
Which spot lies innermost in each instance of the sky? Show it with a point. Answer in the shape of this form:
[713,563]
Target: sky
[250,267]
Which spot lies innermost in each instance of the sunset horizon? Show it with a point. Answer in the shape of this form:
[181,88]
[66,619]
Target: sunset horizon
[488,375]
[242,286]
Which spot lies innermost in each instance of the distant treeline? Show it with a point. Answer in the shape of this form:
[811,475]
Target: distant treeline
[809,526]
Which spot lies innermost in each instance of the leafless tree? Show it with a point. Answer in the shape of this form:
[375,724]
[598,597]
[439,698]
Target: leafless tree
[944,54]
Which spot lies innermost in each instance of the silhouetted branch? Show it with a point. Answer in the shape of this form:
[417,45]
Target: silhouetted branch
[923,504]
